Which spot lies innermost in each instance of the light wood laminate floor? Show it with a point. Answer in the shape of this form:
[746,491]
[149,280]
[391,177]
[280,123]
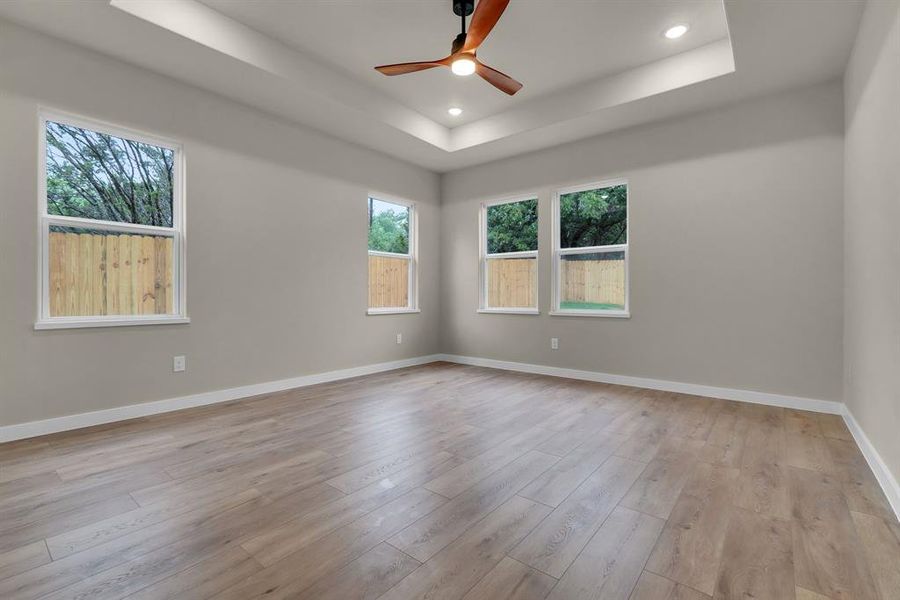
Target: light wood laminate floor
[450,482]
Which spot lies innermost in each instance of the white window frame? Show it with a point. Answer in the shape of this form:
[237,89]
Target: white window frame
[412,257]
[559,252]
[45,221]
[485,256]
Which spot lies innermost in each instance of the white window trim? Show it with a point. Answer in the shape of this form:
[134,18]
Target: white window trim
[46,220]
[484,256]
[559,252]
[413,257]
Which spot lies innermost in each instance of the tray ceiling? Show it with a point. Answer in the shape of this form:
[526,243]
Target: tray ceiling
[588,66]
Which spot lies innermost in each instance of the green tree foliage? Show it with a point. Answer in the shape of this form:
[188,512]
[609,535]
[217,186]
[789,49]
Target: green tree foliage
[593,217]
[98,176]
[388,227]
[512,227]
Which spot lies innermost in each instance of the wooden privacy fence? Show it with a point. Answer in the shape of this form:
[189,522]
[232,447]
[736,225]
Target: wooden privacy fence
[511,282]
[388,282]
[110,274]
[599,281]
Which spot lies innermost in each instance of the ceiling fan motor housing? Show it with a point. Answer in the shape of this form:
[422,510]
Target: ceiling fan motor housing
[463,7]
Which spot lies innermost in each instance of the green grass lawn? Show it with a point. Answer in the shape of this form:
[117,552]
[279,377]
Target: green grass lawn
[590,306]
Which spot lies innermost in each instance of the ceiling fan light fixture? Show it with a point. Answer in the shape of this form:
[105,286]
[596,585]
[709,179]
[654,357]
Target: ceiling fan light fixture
[676,31]
[462,66]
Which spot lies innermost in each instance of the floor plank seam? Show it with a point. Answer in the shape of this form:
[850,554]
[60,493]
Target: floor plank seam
[551,507]
[530,567]
[538,569]
[388,542]
[704,594]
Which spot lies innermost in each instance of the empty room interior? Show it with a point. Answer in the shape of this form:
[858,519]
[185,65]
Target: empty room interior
[450,299]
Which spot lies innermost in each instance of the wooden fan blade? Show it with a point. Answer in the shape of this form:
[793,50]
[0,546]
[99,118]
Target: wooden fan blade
[486,15]
[412,67]
[501,81]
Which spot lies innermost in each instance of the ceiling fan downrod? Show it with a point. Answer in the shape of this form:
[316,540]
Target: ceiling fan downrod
[462,8]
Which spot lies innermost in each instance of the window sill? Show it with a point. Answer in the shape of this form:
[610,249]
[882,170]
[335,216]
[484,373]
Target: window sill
[81,323]
[392,311]
[616,314]
[509,311]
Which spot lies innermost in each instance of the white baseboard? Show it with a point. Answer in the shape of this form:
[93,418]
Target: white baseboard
[800,403]
[20,431]
[885,478]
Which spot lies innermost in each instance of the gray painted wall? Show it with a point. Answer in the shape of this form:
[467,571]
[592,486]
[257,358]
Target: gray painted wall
[872,230]
[736,225]
[274,290]
[736,250]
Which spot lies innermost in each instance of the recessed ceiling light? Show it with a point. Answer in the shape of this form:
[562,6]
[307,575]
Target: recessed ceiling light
[676,31]
[454,111]
[463,66]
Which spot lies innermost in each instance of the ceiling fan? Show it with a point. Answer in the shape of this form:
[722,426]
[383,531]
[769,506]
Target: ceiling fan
[462,60]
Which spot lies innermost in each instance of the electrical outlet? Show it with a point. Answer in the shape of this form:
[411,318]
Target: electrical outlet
[399,338]
[178,364]
[554,343]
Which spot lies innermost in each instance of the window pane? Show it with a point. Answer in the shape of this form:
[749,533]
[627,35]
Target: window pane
[98,176]
[388,282]
[388,227]
[593,217]
[95,273]
[512,227]
[593,281]
[511,282]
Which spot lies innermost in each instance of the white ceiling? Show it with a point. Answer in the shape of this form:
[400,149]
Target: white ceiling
[547,45]
[589,66]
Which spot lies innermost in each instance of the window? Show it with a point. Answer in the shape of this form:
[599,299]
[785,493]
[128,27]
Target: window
[392,256]
[509,251]
[111,226]
[590,250]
